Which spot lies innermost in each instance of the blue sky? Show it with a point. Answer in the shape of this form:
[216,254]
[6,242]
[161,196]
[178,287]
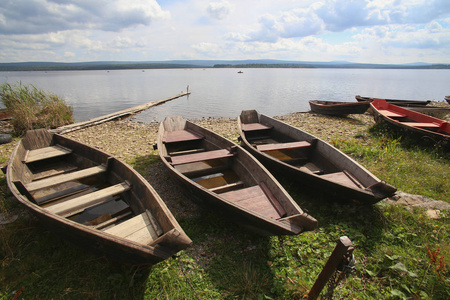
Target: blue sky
[377,31]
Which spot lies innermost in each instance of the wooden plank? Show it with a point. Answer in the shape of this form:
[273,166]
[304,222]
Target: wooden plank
[44,153]
[253,199]
[111,207]
[111,221]
[311,168]
[36,185]
[283,146]
[272,199]
[138,229]
[340,177]
[85,201]
[227,187]
[180,136]
[202,156]
[344,248]
[255,126]
[391,114]
[120,114]
[419,124]
[53,170]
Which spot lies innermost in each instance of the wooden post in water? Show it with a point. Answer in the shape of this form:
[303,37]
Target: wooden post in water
[343,248]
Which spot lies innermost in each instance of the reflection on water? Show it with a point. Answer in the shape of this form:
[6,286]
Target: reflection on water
[224,92]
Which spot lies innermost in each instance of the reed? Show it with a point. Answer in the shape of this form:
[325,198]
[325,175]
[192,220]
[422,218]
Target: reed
[33,108]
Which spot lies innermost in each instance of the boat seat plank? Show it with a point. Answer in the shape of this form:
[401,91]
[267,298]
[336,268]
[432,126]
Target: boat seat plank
[283,146]
[254,126]
[138,229]
[46,152]
[342,178]
[52,170]
[180,136]
[227,187]
[85,201]
[422,125]
[111,208]
[253,198]
[390,113]
[43,183]
[202,156]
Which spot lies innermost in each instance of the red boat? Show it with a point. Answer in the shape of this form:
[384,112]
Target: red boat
[434,128]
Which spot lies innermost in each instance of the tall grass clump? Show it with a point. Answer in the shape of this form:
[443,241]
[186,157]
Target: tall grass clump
[32,108]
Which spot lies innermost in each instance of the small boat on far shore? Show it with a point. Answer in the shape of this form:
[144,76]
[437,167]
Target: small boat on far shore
[398,102]
[334,108]
[447,98]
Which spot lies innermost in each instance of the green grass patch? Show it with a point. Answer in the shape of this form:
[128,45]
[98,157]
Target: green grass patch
[400,253]
[32,108]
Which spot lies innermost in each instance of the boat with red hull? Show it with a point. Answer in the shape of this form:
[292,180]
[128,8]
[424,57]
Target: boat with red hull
[426,126]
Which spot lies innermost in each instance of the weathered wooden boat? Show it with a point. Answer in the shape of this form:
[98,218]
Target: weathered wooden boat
[226,178]
[289,151]
[335,108]
[398,102]
[424,125]
[93,199]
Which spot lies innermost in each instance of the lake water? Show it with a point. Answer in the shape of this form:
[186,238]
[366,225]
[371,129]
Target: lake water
[224,92]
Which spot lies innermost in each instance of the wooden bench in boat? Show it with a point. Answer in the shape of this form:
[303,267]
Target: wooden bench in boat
[421,125]
[142,228]
[391,114]
[75,205]
[180,136]
[201,156]
[258,199]
[283,146]
[47,182]
[254,126]
[44,153]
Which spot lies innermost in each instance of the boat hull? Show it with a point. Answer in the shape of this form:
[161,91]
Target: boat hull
[250,175]
[319,166]
[333,108]
[41,187]
[398,102]
[424,126]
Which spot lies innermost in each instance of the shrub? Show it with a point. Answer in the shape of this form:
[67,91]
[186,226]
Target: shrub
[32,108]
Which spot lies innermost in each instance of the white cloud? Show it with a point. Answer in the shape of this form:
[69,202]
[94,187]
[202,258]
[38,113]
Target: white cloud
[219,10]
[44,16]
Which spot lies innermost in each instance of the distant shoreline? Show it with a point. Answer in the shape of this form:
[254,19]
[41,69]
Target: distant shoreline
[204,64]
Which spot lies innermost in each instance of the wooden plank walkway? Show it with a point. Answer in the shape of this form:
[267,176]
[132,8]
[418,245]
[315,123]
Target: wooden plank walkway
[120,114]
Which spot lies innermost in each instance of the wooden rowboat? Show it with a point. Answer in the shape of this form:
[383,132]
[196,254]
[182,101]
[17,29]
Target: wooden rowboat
[424,125]
[398,102]
[93,199]
[334,108]
[294,153]
[226,178]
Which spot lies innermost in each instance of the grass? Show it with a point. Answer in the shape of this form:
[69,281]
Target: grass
[400,253]
[32,108]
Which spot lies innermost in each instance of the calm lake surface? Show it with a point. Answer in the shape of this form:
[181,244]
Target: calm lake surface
[224,92]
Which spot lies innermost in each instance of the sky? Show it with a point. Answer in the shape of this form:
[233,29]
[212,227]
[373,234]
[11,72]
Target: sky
[364,31]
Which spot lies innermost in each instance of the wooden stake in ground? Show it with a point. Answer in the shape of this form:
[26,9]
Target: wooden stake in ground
[344,247]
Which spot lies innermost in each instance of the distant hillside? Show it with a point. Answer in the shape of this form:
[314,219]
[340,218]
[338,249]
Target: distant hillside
[183,64]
